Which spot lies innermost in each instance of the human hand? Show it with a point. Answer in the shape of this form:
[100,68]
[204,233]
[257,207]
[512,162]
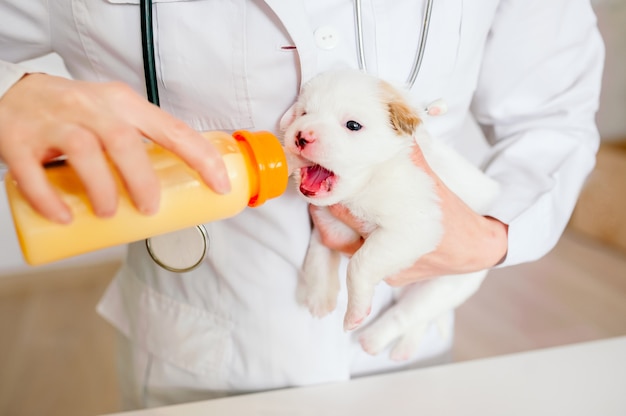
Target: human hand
[44,116]
[471,242]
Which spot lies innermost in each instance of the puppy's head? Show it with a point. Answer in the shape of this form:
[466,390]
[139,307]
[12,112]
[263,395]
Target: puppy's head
[343,126]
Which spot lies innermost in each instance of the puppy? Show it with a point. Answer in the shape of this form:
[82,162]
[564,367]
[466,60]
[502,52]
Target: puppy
[351,136]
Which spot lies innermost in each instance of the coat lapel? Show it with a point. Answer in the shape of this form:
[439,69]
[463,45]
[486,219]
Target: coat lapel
[293,16]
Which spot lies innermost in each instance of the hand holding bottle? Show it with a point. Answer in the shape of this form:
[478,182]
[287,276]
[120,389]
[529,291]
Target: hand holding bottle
[44,116]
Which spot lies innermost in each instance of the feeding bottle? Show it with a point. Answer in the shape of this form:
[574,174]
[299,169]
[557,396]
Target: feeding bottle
[256,167]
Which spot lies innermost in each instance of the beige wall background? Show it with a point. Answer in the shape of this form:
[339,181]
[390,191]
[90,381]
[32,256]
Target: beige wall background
[612,115]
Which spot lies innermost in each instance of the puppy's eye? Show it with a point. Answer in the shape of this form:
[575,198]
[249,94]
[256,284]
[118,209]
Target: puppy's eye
[353,125]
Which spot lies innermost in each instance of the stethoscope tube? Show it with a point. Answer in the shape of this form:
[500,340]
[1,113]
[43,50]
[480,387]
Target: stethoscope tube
[169,251]
[422,45]
[147,48]
[419,56]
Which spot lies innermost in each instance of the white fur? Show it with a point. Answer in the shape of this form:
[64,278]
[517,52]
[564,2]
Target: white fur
[376,179]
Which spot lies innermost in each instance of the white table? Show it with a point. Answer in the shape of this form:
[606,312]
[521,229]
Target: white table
[582,379]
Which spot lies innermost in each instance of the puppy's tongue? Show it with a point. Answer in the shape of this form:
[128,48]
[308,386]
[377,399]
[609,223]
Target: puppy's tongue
[315,180]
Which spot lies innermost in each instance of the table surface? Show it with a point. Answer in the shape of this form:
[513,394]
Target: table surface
[580,379]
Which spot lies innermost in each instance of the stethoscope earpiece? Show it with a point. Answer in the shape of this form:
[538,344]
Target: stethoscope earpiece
[437,108]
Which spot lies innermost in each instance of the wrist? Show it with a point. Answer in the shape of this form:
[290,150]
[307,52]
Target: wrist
[497,242]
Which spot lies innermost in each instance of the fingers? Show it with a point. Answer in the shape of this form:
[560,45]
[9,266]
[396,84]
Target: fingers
[126,150]
[99,127]
[84,154]
[342,213]
[336,232]
[417,156]
[182,140]
[122,135]
[33,184]
[121,120]
[421,270]
[99,119]
[196,151]
[429,266]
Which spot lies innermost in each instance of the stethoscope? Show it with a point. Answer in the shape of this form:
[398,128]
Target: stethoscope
[421,47]
[179,251]
[184,250]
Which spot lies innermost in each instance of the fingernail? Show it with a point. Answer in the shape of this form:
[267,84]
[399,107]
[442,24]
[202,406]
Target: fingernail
[148,210]
[222,184]
[105,212]
[64,217]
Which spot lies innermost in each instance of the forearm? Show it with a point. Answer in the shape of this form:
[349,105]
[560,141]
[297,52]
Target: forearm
[536,102]
[537,200]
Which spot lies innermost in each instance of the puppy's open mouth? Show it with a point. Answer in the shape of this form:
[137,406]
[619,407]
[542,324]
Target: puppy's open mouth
[316,181]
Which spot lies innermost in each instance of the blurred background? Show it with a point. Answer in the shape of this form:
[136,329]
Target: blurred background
[57,357]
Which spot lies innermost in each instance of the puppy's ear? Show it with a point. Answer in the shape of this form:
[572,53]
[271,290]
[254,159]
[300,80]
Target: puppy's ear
[402,117]
[287,118]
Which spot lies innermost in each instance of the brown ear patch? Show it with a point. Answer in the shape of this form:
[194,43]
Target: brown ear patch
[402,117]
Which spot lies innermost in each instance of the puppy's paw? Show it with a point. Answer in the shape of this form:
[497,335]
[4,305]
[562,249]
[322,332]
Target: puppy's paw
[319,299]
[354,318]
[360,295]
[408,344]
[405,344]
[381,333]
[394,329]
[372,343]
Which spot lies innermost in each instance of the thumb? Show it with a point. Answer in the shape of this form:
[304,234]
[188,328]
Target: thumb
[343,214]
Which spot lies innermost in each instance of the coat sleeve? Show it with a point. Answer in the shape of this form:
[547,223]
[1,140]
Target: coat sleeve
[536,102]
[24,34]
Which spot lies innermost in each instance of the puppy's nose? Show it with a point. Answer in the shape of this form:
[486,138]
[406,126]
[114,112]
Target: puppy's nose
[303,139]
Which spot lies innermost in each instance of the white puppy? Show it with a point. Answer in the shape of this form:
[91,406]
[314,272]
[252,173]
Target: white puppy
[352,136]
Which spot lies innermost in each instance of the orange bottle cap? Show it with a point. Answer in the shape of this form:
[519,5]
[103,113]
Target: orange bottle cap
[271,163]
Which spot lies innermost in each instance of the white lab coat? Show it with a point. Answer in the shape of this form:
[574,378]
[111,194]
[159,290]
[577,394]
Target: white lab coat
[528,71]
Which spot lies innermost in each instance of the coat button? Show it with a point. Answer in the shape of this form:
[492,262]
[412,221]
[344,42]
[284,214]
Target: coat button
[326,37]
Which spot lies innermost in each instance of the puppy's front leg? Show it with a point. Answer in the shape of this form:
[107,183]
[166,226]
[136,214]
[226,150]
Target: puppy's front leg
[384,253]
[318,286]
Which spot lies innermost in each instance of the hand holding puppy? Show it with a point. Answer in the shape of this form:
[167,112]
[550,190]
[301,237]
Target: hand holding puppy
[470,242]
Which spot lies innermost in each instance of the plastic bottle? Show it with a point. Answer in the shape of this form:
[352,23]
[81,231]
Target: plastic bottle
[257,170]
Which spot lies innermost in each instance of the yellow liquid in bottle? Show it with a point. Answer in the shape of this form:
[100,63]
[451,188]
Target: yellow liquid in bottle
[185,202]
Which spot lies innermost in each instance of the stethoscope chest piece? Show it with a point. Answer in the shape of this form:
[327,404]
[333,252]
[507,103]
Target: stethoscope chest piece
[183,250]
[179,251]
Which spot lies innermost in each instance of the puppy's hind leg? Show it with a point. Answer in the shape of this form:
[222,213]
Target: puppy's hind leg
[385,330]
[408,344]
[419,306]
